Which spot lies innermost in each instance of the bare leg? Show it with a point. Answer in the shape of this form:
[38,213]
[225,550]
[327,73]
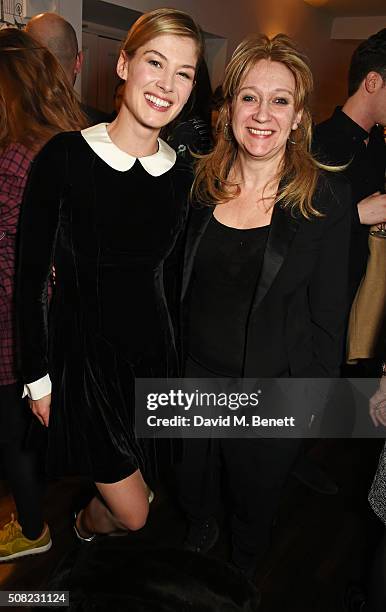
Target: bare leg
[126,508]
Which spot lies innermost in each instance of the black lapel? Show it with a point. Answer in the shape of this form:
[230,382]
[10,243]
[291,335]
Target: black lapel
[197,224]
[282,232]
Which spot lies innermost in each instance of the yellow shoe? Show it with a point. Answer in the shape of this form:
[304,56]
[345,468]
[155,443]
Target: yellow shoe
[14,544]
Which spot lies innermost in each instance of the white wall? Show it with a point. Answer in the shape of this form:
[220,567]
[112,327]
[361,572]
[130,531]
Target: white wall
[34,7]
[71,10]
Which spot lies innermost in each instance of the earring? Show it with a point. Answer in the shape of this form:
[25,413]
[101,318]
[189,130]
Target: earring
[227,132]
[302,129]
[293,142]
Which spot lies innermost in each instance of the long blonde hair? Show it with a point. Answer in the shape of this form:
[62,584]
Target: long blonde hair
[299,171]
[36,100]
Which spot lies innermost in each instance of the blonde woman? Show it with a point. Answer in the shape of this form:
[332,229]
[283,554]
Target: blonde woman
[106,206]
[265,279]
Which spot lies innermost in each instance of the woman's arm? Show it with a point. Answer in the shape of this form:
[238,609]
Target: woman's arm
[38,227]
[328,289]
[378,402]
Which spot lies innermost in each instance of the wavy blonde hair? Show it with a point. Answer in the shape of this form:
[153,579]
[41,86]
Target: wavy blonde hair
[298,173]
[36,100]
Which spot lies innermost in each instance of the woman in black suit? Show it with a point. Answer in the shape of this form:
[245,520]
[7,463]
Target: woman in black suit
[265,279]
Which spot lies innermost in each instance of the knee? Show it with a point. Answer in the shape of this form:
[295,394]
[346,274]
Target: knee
[133,521]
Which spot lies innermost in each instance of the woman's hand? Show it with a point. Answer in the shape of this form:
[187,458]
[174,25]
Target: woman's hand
[372,210]
[378,404]
[41,408]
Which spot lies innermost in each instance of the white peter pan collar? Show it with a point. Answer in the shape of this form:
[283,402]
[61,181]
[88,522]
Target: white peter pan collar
[100,142]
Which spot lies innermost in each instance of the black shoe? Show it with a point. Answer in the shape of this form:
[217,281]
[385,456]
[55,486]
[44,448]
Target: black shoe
[310,474]
[201,536]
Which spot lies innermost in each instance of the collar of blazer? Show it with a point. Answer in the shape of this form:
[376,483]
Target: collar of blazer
[281,234]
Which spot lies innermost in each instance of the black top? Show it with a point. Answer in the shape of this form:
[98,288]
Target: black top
[225,274]
[338,141]
[298,312]
[111,236]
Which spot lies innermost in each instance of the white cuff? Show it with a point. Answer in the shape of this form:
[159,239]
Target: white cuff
[39,388]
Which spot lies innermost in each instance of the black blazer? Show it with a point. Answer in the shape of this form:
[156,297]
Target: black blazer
[298,315]
[339,141]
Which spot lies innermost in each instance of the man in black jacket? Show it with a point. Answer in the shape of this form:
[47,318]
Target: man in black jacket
[354,135]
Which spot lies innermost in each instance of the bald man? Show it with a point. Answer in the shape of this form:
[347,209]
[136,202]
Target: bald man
[58,35]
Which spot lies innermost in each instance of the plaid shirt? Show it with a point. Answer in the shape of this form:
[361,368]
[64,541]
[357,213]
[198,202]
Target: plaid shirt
[15,162]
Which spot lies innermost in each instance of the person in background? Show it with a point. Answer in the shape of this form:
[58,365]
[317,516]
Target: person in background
[58,35]
[353,136]
[106,206]
[190,132]
[372,597]
[265,281]
[36,102]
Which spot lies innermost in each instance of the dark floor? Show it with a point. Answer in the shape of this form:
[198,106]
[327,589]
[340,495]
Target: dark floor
[320,541]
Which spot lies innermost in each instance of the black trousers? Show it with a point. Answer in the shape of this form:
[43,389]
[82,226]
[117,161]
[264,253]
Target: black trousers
[22,465]
[255,472]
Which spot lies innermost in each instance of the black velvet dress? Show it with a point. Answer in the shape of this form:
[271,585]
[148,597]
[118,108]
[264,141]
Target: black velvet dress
[112,238]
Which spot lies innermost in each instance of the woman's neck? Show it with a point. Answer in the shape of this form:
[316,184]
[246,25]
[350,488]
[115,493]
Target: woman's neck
[132,137]
[253,174]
